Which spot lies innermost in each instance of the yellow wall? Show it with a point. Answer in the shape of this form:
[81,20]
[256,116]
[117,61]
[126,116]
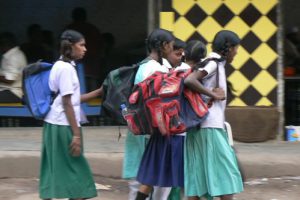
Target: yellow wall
[254,70]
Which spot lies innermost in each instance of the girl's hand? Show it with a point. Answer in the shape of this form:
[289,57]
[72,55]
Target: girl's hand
[219,94]
[75,146]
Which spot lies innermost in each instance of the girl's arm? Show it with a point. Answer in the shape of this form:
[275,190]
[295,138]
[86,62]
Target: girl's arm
[192,81]
[75,146]
[91,95]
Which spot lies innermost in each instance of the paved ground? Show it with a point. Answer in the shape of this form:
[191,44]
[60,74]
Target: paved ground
[284,188]
[263,164]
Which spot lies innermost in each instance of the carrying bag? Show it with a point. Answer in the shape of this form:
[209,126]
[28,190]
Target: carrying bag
[37,95]
[162,104]
[117,88]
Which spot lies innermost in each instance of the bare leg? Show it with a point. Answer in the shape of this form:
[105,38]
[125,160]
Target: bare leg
[227,197]
[143,192]
[146,189]
[193,198]
[77,199]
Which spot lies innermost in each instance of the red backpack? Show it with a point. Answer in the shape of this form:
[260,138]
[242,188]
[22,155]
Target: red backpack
[162,104]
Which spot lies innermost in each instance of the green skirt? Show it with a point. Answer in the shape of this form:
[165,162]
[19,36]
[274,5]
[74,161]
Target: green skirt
[61,174]
[210,165]
[134,149]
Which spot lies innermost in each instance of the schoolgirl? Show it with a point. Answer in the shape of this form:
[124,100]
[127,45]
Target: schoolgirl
[162,162]
[159,44]
[64,171]
[185,56]
[207,150]
[175,58]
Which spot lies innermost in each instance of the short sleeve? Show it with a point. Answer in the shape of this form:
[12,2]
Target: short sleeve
[65,82]
[13,67]
[210,68]
[151,67]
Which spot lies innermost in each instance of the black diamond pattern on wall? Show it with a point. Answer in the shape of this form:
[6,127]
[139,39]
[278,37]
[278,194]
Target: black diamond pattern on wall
[250,69]
[272,42]
[251,96]
[272,69]
[197,36]
[272,15]
[195,15]
[229,69]
[250,15]
[223,15]
[176,15]
[250,42]
[272,96]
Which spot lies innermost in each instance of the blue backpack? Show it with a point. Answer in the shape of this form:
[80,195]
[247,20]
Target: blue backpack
[37,95]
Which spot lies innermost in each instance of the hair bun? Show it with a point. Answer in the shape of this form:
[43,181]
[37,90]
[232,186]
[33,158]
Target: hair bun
[72,36]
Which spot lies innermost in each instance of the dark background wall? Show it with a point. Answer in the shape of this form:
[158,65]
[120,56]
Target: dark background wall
[127,20]
[291,14]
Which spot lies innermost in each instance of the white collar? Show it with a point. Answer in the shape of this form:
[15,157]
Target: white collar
[166,63]
[72,62]
[214,55]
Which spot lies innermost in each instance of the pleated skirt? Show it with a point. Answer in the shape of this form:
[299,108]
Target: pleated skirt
[61,174]
[134,149]
[210,165]
[162,162]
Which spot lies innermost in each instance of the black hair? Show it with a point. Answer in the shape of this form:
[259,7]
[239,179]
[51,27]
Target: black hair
[223,41]
[156,40]
[79,14]
[7,40]
[195,50]
[179,44]
[67,39]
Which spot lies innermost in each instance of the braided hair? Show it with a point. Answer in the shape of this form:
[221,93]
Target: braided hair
[223,41]
[156,40]
[195,50]
[67,39]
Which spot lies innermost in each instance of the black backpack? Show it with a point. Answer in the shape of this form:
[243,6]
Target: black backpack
[117,87]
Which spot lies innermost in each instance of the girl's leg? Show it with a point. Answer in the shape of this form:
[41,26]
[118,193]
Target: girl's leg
[227,197]
[133,189]
[77,199]
[161,193]
[143,192]
[193,198]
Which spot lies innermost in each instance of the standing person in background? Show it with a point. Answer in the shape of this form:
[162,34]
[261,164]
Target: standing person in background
[292,49]
[13,61]
[34,48]
[92,60]
[208,149]
[65,172]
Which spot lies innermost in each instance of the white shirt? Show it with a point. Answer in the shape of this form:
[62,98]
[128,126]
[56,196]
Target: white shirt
[216,117]
[148,68]
[12,64]
[183,66]
[64,80]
